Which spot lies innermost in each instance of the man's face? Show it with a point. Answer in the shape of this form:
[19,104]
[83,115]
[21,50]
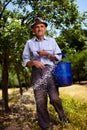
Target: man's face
[39,30]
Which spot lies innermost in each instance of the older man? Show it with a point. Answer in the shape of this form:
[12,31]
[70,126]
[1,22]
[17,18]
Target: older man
[40,53]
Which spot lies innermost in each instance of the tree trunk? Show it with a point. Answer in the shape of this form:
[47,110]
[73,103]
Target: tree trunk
[5,81]
[27,80]
[19,80]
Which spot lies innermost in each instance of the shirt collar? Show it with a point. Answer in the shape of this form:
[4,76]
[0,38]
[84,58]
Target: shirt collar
[36,39]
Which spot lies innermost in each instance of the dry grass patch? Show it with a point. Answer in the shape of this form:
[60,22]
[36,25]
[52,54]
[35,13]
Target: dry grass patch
[78,92]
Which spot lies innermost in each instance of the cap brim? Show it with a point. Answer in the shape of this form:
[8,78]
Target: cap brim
[32,26]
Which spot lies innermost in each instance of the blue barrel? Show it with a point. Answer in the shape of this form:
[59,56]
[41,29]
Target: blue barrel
[62,73]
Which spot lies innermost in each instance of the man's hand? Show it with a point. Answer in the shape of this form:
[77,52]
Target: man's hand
[38,64]
[42,53]
[45,53]
[35,63]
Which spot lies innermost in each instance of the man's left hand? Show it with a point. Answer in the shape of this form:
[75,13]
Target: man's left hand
[42,53]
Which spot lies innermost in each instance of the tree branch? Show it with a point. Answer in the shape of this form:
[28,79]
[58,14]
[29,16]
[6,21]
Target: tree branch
[4,7]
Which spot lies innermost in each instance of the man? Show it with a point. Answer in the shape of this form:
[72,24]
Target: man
[40,53]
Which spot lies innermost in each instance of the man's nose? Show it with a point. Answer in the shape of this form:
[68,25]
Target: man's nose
[40,28]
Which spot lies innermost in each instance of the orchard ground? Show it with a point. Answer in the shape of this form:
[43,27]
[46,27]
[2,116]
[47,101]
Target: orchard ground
[23,109]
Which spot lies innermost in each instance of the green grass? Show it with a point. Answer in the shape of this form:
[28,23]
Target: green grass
[76,113]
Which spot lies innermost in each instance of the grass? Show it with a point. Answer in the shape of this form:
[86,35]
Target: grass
[24,114]
[77,92]
[75,103]
[76,112]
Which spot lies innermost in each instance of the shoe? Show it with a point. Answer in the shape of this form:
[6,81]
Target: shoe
[64,120]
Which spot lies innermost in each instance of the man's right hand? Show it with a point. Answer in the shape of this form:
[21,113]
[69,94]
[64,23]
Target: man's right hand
[38,64]
[35,63]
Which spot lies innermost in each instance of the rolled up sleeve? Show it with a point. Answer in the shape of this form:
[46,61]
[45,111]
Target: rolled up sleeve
[26,54]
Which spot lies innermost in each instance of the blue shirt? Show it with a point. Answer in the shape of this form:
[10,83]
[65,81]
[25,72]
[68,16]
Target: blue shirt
[33,45]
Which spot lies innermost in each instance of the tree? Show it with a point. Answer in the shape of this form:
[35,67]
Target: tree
[5,39]
[15,30]
[9,41]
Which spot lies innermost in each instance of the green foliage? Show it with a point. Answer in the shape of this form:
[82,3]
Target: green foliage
[13,81]
[62,15]
[73,43]
[79,67]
